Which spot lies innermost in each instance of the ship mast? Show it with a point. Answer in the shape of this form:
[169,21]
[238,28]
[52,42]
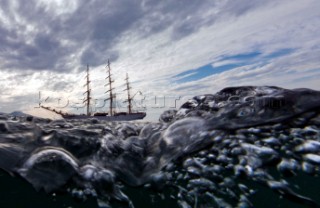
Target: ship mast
[110,88]
[129,100]
[88,98]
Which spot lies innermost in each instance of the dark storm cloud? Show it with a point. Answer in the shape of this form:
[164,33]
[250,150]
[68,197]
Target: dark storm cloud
[20,102]
[14,80]
[110,22]
[238,8]
[94,26]
[60,86]
[93,29]
[39,49]
[186,16]
[45,53]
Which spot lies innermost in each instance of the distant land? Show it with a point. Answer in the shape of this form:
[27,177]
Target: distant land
[18,113]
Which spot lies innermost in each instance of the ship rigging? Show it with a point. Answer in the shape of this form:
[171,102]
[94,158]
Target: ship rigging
[111,115]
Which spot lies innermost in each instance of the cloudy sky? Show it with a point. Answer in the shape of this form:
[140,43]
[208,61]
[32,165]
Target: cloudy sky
[169,48]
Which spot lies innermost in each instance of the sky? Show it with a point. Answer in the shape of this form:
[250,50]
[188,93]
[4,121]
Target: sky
[171,50]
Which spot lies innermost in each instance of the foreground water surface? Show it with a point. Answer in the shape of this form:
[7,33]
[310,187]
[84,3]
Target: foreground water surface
[241,147]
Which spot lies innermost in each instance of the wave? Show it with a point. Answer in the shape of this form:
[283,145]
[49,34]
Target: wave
[218,150]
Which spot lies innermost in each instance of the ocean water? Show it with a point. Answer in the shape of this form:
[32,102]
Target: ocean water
[241,147]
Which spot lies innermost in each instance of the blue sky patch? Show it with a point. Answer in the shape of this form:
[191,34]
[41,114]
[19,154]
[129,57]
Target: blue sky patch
[281,52]
[238,59]
[243,56]
[202,72]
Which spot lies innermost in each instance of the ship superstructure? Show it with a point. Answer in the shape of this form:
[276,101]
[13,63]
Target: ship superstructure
[111,115]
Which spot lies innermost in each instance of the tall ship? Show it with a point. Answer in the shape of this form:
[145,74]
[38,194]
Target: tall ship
[111,115]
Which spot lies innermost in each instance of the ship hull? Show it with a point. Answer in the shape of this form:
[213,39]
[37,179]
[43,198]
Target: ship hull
[127,117]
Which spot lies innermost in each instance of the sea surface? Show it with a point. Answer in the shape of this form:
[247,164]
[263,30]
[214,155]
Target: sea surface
[250,146]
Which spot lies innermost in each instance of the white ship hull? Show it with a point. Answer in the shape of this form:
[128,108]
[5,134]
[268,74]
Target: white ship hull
[127,117]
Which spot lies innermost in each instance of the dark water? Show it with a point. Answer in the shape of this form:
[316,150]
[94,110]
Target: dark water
[241,147]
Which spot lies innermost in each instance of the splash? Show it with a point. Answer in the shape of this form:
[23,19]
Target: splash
[221,150]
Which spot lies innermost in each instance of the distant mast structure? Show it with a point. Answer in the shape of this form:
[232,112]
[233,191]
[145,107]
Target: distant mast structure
[129,100]
[113,115]
[88,92]
[110,88]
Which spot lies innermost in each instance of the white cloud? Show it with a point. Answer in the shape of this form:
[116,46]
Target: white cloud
[281,25]
[59,7]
